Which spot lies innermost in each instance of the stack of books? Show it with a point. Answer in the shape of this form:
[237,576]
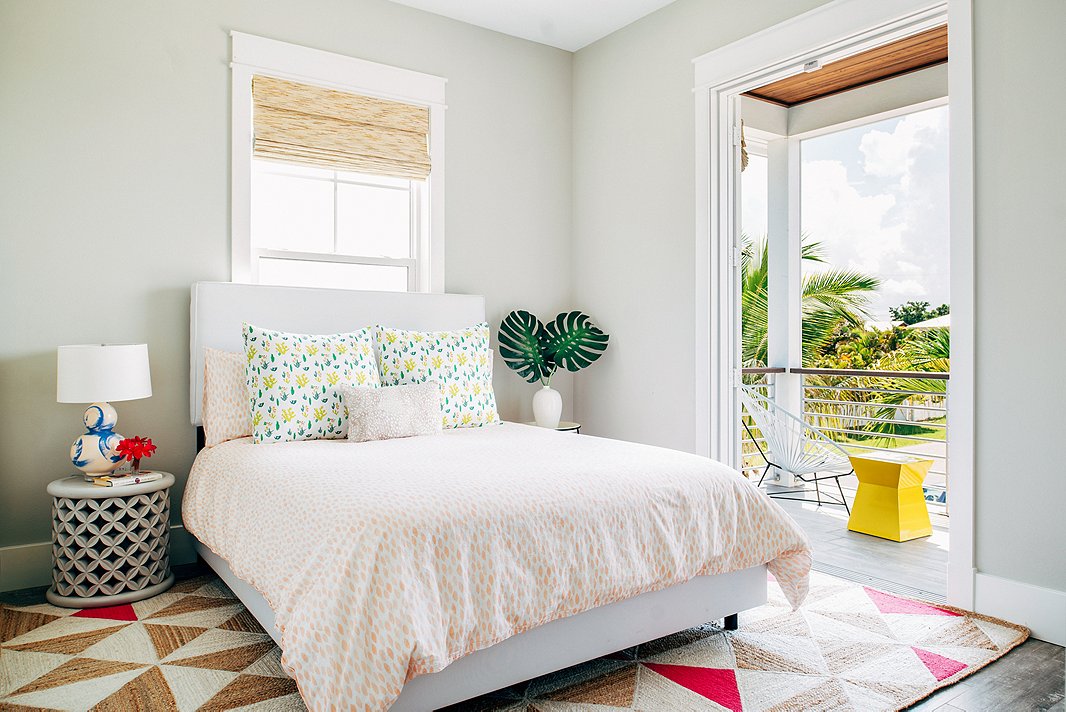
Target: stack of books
[122,481]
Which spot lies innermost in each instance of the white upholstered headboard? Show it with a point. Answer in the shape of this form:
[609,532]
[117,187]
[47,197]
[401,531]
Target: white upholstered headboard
[219,308]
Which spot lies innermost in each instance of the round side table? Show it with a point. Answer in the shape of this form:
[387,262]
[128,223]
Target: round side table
[564,426]
[110,545]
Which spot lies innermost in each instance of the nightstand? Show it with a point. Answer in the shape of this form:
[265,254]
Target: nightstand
[564,427]
[110,545]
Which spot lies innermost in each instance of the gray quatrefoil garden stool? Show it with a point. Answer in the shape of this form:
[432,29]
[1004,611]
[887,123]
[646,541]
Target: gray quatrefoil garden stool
[110,545]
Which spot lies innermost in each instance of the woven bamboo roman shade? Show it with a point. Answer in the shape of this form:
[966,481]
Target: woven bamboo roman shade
[315,126]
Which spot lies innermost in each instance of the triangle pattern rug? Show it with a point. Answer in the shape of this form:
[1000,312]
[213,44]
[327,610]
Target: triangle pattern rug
[849,647]
[195,647]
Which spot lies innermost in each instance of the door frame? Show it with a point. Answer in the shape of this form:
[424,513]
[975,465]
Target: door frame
[829,32]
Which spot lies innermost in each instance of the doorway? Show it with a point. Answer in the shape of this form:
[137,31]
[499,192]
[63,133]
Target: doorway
[831,33]
[869,369]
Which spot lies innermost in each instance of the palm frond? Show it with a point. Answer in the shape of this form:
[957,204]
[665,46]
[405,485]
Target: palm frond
[929,349]
[829,298]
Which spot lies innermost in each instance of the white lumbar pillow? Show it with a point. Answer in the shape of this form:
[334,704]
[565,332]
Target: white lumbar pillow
[392,411]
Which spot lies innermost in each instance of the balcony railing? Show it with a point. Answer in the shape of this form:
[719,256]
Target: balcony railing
[868,412]
[763,380]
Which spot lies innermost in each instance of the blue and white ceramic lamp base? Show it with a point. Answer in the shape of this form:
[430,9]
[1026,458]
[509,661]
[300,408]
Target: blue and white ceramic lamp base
[96,452]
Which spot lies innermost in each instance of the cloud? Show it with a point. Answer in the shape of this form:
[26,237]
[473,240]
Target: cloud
[876,198]
[897,291]
[850,226]
[891,154]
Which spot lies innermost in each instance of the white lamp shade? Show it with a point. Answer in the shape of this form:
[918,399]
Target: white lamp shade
[91,373]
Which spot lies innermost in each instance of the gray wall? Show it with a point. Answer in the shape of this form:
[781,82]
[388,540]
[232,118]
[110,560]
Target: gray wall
[1020,97]
[114,162]
[635,211]
[633,244]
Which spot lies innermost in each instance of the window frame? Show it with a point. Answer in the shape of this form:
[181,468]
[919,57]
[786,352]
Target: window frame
[417,207]
[252,55]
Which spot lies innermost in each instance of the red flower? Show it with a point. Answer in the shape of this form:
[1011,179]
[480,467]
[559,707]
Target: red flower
[135,448]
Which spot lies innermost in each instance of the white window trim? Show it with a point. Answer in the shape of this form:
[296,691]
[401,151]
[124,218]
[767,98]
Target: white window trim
[757,141]
[258,55]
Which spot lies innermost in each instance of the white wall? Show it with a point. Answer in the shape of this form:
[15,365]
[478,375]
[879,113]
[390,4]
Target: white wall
[115,184]
[1020,99]
[634,211]
[633,245]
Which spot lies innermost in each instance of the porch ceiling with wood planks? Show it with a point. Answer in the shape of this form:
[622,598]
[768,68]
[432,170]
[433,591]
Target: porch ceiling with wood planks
[909,54]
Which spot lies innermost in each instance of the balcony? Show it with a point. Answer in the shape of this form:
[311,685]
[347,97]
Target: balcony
[865,412]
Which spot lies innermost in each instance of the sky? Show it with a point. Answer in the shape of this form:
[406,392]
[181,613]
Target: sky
[876,197]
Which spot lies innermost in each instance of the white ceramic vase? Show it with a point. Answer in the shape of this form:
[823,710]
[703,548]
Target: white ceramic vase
[94,453]
[547,407]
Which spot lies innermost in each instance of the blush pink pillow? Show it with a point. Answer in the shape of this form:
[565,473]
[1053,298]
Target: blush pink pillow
[227,409]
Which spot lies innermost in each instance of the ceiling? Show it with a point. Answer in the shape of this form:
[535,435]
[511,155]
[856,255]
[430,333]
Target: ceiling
[566,24]
[909,54]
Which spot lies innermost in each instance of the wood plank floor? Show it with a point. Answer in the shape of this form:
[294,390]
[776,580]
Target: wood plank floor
[919,564]
[1030,677]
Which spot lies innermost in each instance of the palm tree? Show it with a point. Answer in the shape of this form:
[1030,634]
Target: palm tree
[828,298]
[921,350]
[928,350]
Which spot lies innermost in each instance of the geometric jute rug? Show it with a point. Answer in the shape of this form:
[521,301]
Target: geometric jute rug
[849,647]
[192,647]
[195,647]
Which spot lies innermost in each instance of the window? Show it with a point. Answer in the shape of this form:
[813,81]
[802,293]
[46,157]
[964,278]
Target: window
[754,199]
[338,180]
[874,198]
[331,228]
[754,186]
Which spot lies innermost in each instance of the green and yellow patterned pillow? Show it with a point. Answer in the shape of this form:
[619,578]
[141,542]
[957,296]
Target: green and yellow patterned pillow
[461,361]
[293,381]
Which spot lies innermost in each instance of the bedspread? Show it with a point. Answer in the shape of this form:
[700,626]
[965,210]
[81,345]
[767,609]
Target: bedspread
[386,560]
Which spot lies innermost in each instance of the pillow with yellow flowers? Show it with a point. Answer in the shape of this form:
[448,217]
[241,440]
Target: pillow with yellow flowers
[293,381]
[460,360]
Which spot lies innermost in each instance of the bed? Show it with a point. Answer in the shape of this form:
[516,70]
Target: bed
[412,574]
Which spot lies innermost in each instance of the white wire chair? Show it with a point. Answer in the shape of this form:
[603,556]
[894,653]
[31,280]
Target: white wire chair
[796,447]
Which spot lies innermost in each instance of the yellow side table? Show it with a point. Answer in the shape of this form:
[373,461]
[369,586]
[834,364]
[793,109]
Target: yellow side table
[890,503]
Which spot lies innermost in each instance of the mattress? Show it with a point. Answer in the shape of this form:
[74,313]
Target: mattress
[387,560]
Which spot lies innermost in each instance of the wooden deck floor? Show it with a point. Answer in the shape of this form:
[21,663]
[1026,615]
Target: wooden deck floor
[920,564]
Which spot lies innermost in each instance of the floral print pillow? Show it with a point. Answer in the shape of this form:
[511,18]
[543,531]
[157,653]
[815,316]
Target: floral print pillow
[293,381]
[461,361]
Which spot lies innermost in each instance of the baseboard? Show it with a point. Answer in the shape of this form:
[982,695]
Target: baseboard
[30,565]
[1042,610]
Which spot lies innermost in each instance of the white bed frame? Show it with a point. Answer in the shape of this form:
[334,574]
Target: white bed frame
[218,310]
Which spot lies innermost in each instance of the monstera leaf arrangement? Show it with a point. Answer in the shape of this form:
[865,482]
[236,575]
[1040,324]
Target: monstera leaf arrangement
[535,350]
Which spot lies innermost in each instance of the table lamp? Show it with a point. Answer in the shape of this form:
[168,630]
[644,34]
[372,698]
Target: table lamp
[98,373]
